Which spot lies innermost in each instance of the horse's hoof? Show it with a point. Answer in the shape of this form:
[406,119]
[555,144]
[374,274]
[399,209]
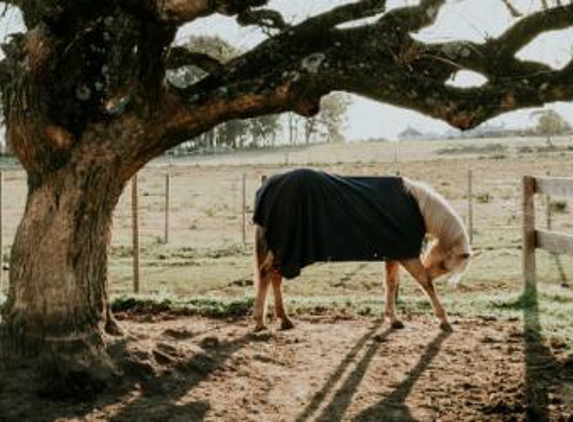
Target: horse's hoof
[395,324]
[286,324]
[446,327]
[258,328]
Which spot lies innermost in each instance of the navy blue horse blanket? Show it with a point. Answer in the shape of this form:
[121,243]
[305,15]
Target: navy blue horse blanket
[310,216]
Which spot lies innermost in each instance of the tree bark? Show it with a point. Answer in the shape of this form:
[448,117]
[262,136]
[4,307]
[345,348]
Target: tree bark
[57,306]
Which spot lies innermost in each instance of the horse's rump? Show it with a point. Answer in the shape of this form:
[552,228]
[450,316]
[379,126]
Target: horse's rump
[310,216]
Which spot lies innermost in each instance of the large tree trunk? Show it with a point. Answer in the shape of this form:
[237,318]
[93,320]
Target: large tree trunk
[57,305]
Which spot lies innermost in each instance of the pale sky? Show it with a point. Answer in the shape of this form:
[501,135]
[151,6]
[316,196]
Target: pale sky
[459,19]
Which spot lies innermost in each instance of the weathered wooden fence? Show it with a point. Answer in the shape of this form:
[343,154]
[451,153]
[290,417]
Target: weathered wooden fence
[554,242]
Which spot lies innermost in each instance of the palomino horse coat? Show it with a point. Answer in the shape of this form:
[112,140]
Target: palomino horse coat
[305,216]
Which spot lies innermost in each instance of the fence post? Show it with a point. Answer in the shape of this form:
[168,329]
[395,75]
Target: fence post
[135,225]
[244,207]
[548,209]
[529,241]
[548,212]
[167,204]
[1,232]
[470,207]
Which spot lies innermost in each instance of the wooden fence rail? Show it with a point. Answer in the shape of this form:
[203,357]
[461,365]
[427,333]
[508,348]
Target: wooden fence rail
[554,242]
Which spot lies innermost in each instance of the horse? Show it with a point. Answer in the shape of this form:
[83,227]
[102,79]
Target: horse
[281,209]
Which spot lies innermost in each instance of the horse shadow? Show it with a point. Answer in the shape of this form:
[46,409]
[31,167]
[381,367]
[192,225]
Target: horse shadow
[392,407]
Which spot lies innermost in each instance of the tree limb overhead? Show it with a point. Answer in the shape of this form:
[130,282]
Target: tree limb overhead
[181,56]
[115,56]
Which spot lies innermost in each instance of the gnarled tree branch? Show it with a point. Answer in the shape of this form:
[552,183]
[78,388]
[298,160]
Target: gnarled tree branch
[371,60]
[291,71]
[178,12]
[264,18]
[414,18]
[529,27]
[181,56]
[345,13]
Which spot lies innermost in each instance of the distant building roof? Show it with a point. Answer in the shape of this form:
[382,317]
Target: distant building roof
[410,133]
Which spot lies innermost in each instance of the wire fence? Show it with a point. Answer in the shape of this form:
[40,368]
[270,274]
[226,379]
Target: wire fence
[194,221]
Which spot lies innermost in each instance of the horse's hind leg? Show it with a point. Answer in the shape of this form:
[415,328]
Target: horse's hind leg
[417,270]
[392,281]
[262,279]
[277,281]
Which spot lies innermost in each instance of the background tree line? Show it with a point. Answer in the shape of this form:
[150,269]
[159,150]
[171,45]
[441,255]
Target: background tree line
[265,131]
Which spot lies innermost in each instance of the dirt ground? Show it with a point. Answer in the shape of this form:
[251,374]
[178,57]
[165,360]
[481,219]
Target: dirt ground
[329,368]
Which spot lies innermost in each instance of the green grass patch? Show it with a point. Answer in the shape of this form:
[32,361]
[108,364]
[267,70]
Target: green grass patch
[203,306]
[551,306]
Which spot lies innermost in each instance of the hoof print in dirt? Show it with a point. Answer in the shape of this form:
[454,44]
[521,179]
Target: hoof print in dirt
[557,343]
[286,324]
[201,363]
[397,325]
[139,369]
[260,328]
[261,335]
[210,342]
[178,334]
[163,358]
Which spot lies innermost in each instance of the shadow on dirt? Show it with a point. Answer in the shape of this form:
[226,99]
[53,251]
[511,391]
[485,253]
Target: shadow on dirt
[541,366]
[160,395]
[392,407]
[319,397]
[153,384]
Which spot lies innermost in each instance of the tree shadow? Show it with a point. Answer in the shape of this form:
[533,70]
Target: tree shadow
[319,396]
[161,394]
[393,406]
[142,394]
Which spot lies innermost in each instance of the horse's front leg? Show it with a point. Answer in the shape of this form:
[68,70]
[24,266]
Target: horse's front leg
[280,309]
[391,284]
[420,274]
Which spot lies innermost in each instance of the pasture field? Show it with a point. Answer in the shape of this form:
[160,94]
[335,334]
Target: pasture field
[509,357]
[206,260]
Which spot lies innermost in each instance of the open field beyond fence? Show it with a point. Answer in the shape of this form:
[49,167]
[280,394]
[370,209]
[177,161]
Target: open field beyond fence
[205,254]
